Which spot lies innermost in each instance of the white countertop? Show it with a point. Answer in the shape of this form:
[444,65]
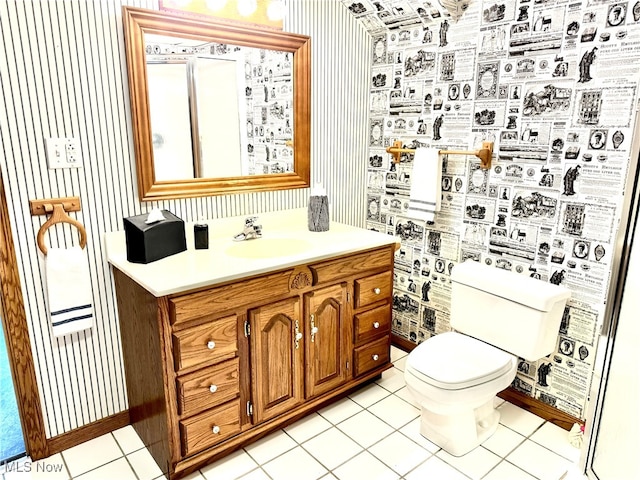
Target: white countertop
[284,234]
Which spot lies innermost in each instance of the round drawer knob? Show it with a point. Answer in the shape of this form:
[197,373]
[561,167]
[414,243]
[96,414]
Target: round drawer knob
[211,344]
[216,429]
[298,336]
[375,357]
[376,291]
[314,330]
[376,324]
[213,388]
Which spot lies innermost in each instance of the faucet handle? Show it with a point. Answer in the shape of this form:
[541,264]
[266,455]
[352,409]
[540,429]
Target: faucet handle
[249,221]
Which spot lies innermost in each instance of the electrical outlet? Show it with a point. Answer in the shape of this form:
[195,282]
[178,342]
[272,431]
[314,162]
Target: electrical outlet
[73,152]
[62,153]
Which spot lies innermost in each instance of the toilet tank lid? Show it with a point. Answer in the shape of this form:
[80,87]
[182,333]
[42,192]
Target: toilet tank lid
[512,286]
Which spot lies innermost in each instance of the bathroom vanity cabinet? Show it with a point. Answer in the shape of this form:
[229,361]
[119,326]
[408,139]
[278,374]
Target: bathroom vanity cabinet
[214,368]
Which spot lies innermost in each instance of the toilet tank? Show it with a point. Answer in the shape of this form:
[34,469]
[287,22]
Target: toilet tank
[513,312]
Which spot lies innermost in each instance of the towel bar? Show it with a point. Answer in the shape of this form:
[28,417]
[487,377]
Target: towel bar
[58,208]
[484,154]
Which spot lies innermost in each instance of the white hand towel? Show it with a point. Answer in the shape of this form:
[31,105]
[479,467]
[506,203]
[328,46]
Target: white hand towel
[426,177]
[68,290]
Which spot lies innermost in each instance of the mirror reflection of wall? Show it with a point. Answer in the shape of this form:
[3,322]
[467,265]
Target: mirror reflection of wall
[220,108]
[203,97]
[170,120]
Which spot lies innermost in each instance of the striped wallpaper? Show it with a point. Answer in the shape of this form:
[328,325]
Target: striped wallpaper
[63,74]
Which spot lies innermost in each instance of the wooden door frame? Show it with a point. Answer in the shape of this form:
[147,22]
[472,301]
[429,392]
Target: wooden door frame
[14,323]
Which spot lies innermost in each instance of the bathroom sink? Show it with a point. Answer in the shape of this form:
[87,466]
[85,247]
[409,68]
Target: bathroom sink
[268,248]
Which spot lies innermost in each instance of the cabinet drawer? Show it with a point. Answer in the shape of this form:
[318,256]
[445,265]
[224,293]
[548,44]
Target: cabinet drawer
[206,343]
[371,355]
[373,289]
[372,323]
[344,267]
[209,387]
[225,298]
[210,427]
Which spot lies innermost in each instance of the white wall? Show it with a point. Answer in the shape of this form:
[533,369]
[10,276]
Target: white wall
[63,74]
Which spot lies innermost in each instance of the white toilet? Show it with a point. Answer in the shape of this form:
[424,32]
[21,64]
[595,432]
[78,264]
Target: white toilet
[498,316]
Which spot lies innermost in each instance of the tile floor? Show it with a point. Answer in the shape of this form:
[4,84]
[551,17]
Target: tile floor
[373,435]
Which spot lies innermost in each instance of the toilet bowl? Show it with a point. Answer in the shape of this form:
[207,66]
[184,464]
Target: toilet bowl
[455,378]
[497,316]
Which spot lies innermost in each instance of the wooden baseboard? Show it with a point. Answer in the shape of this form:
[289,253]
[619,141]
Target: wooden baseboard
[87,432]
[541,409]
[402,343]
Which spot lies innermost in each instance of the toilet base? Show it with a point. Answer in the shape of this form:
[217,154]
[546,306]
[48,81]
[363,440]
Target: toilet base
[462,431]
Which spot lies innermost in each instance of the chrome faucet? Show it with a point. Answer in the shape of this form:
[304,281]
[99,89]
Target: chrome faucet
[252,229]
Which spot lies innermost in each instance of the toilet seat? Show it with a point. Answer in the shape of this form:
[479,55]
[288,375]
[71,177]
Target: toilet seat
[452,361]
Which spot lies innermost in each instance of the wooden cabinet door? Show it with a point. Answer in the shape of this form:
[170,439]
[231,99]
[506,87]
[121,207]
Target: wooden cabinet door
[276,358]
[325,339]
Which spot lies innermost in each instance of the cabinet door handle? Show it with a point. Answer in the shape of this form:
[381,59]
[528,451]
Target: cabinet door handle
[216,429]
[375,357]
[376,291]
[211,344]
[213,388]
[376,324]
[314,329]
[298,336]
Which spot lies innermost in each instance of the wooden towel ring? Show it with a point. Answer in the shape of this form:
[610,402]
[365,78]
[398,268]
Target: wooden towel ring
[59,216]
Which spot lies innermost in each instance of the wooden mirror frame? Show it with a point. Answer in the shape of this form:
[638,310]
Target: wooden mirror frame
[137,22]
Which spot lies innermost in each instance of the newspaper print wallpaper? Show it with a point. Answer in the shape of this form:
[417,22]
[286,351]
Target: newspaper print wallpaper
[554,84]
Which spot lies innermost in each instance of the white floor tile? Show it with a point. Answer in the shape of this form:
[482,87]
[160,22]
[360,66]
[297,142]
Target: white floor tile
[365,428]
[503,441]
[270,447]
[400,363]
[332,448]
[341,410]
[365,466]
[230,467]
[574,473]
[397,353]
[394,411]
[119,469]
[474,464]
[296,464]
[412,431]
[539,462]
[51,468]
[308,427]
[128,439]
[556,439]
[91,454]
[392,380]
[434,468]
[193,476]
[518,419]
[399,453]
[507,471]
[369,395]
[407,396]
[144,465]
[257,474]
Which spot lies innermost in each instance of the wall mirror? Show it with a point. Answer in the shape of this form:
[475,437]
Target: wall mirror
[216,108]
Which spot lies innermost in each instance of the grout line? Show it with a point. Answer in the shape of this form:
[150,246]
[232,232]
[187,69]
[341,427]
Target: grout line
[125,456]
[66,467]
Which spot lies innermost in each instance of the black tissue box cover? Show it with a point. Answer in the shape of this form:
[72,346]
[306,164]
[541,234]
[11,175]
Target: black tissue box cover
[150,242]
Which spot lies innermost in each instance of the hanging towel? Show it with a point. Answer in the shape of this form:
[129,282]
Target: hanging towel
[68,290]
[426,178]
